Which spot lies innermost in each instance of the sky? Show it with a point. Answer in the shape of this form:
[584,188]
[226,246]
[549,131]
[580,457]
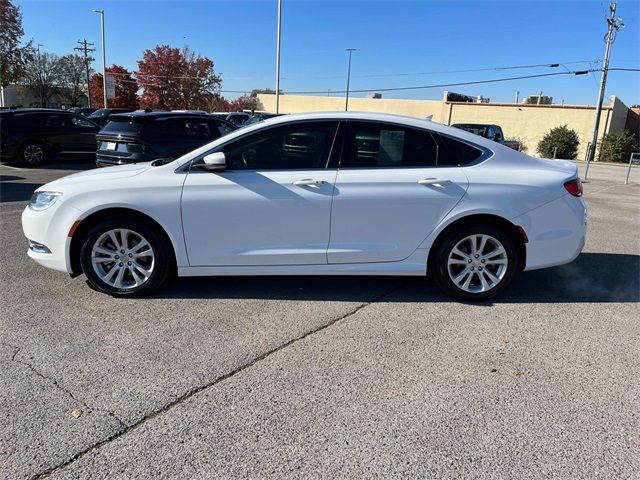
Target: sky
[398,43]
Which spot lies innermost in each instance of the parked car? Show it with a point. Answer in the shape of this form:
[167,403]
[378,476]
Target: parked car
[85,111]
[102,115]
[31,136]
[237,118]
[144,136]
[339,193]
[258,117]
[490,131]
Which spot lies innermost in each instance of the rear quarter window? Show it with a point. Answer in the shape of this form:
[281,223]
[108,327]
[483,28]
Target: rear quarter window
[452,152]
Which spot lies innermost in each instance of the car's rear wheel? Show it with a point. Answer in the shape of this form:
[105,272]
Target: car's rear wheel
[125,258]
[32,154]
[475,262]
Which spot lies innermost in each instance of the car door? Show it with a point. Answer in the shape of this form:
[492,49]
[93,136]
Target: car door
[60,133]
[84,140]
[271,206]
[392,191]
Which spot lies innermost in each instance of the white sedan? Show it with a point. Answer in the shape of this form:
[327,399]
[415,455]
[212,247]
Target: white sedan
[316,194]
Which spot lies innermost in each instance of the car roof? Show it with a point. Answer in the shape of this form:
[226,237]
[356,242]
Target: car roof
[156,114]
[34,110]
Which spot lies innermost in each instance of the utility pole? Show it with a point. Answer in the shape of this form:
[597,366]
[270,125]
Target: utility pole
[83,46]
[40,79]
[614,24]
[104,61]
[346,101]
[278,58]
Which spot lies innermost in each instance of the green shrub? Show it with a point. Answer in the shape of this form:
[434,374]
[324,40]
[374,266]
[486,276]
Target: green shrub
[566,141]
[617,147]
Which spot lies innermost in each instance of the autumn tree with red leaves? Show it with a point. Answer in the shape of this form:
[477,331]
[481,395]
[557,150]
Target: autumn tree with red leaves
[174,79]
[245,102]
[126,89]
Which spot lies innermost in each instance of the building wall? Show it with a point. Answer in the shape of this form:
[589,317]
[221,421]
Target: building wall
[20,96]
[527,123]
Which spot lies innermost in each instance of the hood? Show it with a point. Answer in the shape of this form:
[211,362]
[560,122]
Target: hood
[97,175]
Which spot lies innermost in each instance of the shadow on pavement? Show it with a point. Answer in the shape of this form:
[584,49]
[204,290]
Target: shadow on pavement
[592,277]
[13,191]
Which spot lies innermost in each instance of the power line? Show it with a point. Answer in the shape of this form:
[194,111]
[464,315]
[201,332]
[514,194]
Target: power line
[456,84]
[384,75]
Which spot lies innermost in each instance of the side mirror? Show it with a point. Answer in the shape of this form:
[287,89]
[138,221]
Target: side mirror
[497,137]
[215,161]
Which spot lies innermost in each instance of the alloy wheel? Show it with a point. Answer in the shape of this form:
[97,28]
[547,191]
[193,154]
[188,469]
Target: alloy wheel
[477,263]
[123,258]
[33,154]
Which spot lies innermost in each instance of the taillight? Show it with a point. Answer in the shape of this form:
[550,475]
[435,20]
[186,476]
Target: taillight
[574,187]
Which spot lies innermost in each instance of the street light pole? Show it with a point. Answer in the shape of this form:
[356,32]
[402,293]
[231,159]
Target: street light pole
[104,61]
[278,58]
[346,101]
[614,24]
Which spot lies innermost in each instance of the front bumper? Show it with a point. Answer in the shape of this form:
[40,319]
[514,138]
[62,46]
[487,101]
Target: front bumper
[556,231]
[50,229]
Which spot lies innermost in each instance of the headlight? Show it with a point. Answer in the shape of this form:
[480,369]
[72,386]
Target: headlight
[43,200]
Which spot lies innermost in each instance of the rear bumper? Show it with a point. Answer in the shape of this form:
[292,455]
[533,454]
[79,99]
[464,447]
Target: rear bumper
[556,232]
[103,160]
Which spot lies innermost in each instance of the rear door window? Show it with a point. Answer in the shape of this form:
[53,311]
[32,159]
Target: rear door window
[172,128]
[379,145]
[201,129]
[222,127]
[452,152]
[56,122]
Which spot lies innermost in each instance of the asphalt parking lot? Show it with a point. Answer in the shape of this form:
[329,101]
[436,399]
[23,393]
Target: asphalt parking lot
[325,377]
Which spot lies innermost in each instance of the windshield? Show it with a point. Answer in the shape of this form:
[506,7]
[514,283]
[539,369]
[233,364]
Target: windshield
[101,112]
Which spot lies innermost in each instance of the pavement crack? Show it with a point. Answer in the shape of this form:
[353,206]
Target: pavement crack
[214,382]
[62,388]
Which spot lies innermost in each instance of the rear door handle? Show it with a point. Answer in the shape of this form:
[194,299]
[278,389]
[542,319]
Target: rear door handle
[434,181]
[309,182]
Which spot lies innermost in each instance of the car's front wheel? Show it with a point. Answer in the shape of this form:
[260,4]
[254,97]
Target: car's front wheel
[32,154]
[125,258]
[475,262]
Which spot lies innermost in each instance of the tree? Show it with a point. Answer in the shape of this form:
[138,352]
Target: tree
[126,89]
[13,57]
[617,147]
[42,76]
[561,140]
[256,91]
[177,79]
[73,78]
[244,102]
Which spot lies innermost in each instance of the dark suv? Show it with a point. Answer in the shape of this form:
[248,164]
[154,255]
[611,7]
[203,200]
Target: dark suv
[30,136]
[144,136]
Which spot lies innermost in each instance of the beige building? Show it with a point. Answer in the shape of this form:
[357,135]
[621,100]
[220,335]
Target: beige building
[523,122]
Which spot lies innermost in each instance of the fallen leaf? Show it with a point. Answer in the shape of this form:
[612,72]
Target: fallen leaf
[75,413]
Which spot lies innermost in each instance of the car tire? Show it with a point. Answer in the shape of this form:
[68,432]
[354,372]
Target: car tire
[124,257]
[32,154]
[474,262]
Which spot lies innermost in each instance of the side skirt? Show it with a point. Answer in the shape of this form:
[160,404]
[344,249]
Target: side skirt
[414,265]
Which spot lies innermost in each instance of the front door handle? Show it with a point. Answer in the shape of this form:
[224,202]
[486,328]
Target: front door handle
[434,181]
[309,182]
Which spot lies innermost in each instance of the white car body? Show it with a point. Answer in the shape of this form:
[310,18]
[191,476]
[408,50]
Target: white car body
[353,222]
